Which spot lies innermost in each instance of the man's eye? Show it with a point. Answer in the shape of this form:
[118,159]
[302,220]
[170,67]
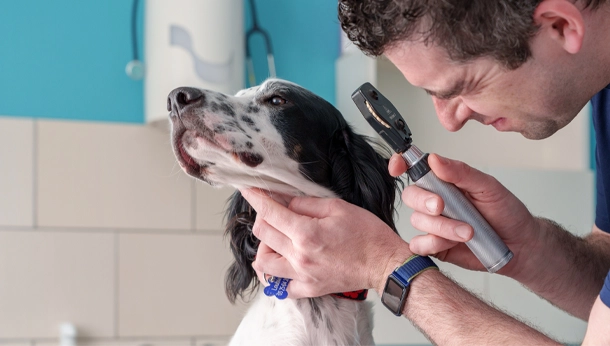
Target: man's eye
[277,101]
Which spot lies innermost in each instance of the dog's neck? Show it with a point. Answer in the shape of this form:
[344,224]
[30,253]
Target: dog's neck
[359,295]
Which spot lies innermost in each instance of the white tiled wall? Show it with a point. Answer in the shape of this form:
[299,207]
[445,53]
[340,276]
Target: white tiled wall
[200,341]
[50,277]
[166,276]
[110,176]
[210,203]
[100,228]
[17,167]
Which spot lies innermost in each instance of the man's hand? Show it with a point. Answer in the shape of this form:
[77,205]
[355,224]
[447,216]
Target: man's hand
[324,245]
[445,237]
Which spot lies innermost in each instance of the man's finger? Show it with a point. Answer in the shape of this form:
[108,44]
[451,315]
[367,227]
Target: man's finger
[460,174]
[275,214]
[271,263]
[316,207]
[422,200]
[442,226]
[271,237]
[430,244]
[397,165]
[260,274]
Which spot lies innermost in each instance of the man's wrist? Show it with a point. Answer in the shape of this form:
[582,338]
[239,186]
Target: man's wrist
[424,281]
[529,269]
[398,283]
[395,260]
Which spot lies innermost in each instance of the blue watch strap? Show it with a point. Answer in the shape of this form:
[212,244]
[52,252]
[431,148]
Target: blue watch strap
[398,284]
[413,266]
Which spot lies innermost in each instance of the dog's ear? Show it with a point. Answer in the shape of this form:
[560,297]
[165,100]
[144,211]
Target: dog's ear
[240,279]
[360,174]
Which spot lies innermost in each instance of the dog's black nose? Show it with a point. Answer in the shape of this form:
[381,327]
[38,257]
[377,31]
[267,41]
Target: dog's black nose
[182,97]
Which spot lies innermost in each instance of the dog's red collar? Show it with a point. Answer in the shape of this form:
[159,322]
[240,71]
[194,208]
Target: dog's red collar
[354,295]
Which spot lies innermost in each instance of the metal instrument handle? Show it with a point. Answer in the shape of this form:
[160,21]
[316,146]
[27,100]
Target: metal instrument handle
[485,244]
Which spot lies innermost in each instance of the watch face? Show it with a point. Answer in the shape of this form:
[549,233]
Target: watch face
[394,295]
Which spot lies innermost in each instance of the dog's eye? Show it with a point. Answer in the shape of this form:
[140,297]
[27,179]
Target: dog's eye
[277,101]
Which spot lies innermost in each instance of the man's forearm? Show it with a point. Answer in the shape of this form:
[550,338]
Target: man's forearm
[565,269]
[450,315]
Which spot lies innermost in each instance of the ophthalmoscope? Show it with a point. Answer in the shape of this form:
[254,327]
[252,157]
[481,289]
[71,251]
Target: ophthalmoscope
[389,124]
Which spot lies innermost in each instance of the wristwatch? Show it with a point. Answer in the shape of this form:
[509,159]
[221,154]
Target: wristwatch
[397,286]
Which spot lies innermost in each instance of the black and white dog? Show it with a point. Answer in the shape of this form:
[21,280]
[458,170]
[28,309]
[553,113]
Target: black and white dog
[284,139]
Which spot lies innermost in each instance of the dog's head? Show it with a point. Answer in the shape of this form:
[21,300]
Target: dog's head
[278,137]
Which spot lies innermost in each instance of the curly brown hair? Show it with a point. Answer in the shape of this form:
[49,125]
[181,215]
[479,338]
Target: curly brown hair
[466,29]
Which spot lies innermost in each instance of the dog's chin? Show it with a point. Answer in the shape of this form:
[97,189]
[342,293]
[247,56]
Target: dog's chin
[187,163]
[220,147]
[205,172]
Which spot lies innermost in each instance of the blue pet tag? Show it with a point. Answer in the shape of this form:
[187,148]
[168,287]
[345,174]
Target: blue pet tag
[277,287]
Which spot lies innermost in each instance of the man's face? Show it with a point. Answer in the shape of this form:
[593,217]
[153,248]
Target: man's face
[535,99]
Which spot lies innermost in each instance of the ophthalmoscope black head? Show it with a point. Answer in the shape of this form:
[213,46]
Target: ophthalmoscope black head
[486,245]
[383,117]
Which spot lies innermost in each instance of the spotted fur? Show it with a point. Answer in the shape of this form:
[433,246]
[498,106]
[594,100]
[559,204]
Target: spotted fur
[282,138]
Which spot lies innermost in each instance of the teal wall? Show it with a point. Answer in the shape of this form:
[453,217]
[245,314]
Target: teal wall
[66,58]
[305,38]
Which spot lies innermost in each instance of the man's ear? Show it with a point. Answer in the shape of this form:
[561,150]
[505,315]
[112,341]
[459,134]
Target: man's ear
[563,21]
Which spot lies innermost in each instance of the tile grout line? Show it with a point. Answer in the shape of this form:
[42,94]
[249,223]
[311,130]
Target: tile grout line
[35,173]
[117,245]
[150,231]
[35,129]
[116,233]
[136,338]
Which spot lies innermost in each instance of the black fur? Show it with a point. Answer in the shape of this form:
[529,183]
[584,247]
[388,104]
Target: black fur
[313,133]
[358,174]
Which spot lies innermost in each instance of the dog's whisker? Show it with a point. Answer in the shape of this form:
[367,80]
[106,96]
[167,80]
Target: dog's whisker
[174,171]
[263,182]
[308,177]
[313,162]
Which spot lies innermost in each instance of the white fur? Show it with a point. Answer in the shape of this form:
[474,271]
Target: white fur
[277,173]
[327,320]
[270,321]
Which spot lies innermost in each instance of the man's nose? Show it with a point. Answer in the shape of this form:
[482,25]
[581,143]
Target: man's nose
[180,98]
[453,114]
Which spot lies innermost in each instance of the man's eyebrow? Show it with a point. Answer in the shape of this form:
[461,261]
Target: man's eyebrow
[449,93]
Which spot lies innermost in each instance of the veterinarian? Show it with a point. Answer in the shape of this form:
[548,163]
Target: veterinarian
[522,66]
